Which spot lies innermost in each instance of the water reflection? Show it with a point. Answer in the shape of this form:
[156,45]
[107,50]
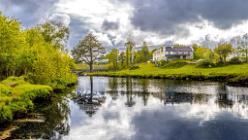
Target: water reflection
[89,101]
[203,108]
[56,123]
[148,109]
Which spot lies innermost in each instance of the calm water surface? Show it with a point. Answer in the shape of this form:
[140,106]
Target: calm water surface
[143,109]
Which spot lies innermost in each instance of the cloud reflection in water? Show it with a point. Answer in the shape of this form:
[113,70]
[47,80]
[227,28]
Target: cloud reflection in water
[173,110]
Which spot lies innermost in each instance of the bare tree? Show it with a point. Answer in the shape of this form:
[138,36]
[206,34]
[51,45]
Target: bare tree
[243,46]
[88,50]
[129,52]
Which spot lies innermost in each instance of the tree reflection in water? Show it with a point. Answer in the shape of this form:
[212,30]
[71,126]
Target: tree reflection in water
[90,101]
[170,92]
[55,126]
[183,100]
[113,86]
[129,93]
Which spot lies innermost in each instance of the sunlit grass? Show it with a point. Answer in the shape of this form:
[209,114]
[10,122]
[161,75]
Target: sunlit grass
[96,66]
[16,96]
[186,71]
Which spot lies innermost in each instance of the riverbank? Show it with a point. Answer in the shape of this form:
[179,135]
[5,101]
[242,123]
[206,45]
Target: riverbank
[18,97]
[232,74]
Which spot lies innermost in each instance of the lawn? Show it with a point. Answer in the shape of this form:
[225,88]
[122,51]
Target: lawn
[228,73]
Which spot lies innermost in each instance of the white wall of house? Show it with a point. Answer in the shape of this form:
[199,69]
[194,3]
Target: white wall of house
[159,54]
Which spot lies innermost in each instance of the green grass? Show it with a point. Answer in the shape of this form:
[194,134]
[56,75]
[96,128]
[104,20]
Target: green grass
[225,73]
[14,81]
[17,95]
[96,66]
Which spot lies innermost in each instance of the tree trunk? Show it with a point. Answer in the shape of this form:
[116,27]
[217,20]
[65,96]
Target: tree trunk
[91,88]
[91,67]
[246,55]
[91,59]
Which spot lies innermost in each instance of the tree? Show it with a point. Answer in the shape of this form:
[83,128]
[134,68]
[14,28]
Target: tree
[11,39]
[202,52]
[26,52]
[143,55]
[223,50]
[122,59]
[56,34]
[145,52]
[243,46]
[88,50]
[113,58]
[129,52]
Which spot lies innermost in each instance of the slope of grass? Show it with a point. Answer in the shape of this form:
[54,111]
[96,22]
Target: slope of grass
[230,73]
[16,96]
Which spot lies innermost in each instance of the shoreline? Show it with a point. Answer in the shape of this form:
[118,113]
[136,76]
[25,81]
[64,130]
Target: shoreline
[231,74]
[19,96]
[227,80]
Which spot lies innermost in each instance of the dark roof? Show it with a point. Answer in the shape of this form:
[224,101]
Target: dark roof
[179,49]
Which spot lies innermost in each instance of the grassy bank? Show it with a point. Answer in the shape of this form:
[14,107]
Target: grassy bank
[17,95]
[230,73]
[85,67]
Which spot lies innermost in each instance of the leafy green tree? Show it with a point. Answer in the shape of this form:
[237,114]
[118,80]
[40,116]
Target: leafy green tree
[11,39]
[113,58]
[27,52]
[88,50]
[202,52]
[122,59]
[145,52]
[223,50]
[55,34]
[143,55]
[47,64]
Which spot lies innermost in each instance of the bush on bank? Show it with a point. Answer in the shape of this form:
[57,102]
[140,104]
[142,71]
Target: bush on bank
[172,64]
[205,63]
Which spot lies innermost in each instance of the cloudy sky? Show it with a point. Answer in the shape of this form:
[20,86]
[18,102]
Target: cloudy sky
[154,21]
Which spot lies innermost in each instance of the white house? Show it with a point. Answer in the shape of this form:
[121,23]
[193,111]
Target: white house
[173,53]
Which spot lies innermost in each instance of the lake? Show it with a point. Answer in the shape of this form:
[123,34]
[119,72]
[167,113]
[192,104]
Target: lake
[143,109]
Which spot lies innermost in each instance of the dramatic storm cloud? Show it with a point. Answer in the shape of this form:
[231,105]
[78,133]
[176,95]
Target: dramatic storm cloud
[154,21]
[167,16]
[108,25]
[29,12]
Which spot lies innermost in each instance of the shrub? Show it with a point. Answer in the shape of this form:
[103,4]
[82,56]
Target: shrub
[235,60]
[5,113]
[205,63]
[134,67]
[175,64]
[162,63]
[4,90]
[31,91]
